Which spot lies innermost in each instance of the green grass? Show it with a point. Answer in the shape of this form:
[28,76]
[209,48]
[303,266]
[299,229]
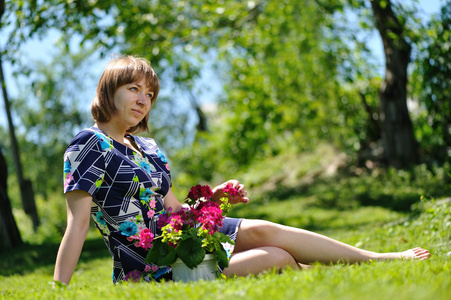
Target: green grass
[379,211]
[398,280]
[26,273]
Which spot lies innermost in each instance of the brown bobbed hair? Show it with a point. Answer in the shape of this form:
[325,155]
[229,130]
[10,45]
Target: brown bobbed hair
[119,71]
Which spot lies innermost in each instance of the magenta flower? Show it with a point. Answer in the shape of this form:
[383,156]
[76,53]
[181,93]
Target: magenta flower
[133,276]
[210,216]
[162,220]
[145,239]
[176,221]
[231,192]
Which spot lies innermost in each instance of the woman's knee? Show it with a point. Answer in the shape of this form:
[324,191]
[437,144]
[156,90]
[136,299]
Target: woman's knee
[255,233]
[257,260]
[282,259]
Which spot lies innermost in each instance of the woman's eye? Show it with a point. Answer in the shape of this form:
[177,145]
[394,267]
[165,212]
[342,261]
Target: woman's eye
[133,88]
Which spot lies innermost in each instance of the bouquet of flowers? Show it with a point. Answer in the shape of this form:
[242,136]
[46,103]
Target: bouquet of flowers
[193,231]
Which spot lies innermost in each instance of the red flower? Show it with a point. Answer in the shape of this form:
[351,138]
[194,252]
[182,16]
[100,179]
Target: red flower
[199,191]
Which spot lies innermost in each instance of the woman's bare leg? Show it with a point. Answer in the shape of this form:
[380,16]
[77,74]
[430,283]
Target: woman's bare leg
[307,247]
[257,260]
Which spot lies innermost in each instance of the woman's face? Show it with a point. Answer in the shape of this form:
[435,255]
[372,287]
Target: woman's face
[133,102]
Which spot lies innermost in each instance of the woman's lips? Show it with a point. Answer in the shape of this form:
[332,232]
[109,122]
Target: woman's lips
[138,112]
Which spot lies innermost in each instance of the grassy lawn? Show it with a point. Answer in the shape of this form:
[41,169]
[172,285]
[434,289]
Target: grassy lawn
[379,211]
[26,273]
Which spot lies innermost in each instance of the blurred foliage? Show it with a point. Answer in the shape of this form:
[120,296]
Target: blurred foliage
[328,179]
[49,115]
[432,85]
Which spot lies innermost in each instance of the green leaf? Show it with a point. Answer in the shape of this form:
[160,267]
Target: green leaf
[161,254]
[189,233]
[222,238]
[221,255]
[190,251]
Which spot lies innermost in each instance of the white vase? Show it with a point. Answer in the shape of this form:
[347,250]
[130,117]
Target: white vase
[206,270]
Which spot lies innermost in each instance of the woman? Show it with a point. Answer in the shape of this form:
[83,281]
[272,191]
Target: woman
[123,182]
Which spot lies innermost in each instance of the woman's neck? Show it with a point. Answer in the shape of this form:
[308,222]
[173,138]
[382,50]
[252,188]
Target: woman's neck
[113,131]
[118,135]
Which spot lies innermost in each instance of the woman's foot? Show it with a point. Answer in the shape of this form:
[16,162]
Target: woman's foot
[415,253]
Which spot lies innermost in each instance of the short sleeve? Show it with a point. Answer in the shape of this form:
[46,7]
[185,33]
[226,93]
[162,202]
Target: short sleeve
[84,162]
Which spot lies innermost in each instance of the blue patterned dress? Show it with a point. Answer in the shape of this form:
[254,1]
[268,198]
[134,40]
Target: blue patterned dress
[127,191]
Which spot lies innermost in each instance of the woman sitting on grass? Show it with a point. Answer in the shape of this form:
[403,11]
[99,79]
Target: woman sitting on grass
[123,182]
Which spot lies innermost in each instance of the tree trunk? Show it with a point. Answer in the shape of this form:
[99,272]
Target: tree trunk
[202,120]
[26,188]
[9,233]
[400,146]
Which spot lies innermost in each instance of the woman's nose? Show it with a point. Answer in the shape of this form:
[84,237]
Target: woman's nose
[142,98]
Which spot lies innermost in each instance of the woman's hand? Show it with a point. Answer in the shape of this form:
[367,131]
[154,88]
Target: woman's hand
[218,192]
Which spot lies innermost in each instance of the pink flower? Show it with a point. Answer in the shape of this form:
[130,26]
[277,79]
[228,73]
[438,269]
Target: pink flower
[145,239]
[69,178]
[152,203]
[150,213]
[132,238]
[151,268]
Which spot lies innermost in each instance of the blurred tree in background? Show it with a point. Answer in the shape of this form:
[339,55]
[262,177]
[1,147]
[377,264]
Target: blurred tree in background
[432,82]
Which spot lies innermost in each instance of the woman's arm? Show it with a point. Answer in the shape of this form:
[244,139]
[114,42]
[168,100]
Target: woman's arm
[78,215]
[170,201]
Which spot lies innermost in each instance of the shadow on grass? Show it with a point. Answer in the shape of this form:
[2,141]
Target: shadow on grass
[27,258]
[393,202]
[312,224]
